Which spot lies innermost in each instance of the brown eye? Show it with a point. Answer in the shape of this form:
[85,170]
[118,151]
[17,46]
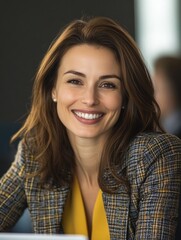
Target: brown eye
[108,85]
[74,82]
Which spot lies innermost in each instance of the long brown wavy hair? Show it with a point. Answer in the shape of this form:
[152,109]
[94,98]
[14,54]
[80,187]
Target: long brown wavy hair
[44,132]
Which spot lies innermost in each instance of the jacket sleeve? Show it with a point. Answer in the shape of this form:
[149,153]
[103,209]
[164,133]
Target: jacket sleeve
[159,174]
[12,195]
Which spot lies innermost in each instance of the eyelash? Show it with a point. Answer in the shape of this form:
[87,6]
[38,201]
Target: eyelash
[74,82]
[106,85]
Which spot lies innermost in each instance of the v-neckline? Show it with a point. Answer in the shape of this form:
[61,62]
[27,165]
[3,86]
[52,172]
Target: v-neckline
[77,219]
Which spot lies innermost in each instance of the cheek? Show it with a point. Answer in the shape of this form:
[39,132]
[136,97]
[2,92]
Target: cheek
[64,100]
[113,103]
[65,97]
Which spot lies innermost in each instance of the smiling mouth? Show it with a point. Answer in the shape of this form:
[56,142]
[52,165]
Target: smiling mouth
[88,116]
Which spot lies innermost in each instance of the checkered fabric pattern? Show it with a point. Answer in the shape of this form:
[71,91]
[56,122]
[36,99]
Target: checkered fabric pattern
[150,211]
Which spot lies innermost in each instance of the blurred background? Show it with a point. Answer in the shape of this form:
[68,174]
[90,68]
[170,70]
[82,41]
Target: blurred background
[28,27]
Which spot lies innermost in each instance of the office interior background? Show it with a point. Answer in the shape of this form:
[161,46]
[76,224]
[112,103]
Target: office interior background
[28,27]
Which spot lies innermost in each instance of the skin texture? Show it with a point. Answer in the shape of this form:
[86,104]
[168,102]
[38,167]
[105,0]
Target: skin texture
[82,86]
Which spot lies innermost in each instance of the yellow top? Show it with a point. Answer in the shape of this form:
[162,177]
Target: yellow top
[74,217]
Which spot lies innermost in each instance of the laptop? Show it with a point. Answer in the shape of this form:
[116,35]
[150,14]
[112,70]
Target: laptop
[28,236]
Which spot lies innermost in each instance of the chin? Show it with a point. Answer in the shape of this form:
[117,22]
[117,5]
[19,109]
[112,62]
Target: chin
[86,134]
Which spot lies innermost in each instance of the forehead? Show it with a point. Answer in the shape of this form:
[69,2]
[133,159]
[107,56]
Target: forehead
[90,49]
[87,55]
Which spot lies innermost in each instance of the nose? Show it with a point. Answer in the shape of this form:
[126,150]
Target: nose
[90,96]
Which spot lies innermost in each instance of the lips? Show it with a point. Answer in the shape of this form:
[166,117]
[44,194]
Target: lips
[88,117]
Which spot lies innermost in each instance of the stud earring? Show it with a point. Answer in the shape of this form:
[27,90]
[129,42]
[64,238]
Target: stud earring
[54,99]
[123,107]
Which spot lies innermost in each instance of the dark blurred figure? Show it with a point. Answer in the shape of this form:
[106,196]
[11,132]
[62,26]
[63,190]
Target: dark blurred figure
[167,84]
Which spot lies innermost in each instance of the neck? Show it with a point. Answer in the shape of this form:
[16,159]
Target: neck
[88,155]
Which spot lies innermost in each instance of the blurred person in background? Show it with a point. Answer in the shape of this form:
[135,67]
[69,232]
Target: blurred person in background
[167,83]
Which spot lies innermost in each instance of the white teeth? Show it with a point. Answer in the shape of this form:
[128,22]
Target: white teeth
[88,115]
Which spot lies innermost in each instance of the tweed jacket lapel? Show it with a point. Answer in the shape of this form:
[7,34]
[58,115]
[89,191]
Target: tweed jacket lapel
[46,208]
[49,205]
[117,210]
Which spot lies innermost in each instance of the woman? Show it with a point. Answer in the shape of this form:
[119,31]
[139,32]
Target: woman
[93,159]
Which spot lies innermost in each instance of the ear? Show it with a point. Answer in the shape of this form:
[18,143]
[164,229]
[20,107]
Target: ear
[54,98]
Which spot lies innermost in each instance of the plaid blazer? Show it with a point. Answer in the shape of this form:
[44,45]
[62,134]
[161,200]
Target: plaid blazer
[150,211]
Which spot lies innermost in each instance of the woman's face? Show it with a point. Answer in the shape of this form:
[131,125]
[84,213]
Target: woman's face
[88,91]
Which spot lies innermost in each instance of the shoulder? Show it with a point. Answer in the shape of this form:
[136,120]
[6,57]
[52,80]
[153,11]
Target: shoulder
[153,142]
[153,149]
[25,156]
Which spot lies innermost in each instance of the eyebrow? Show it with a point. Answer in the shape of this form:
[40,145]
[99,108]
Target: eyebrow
[101,77]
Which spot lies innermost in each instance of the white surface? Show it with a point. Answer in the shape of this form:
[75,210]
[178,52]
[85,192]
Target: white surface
[21,236]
